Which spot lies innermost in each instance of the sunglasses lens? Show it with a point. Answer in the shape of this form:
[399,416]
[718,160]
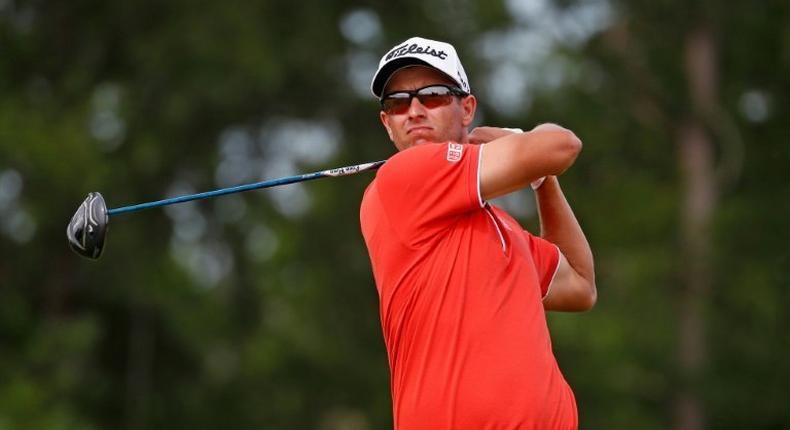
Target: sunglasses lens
[395,105]
[431,97]
[434,96]
[435,101]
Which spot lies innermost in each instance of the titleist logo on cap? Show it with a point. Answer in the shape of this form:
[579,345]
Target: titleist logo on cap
[418,51]
[405,49]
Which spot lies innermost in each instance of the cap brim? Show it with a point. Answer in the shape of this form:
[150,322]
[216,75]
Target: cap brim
[383,74]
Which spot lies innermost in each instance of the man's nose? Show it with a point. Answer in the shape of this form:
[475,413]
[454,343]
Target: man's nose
[416,108]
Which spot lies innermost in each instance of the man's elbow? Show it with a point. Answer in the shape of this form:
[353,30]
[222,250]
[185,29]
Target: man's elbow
[588,299]
[582,301]
[571,297]
[563,145]
[585,295]
[568,147]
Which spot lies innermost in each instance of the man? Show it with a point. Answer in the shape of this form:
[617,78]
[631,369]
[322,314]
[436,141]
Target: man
[463,288]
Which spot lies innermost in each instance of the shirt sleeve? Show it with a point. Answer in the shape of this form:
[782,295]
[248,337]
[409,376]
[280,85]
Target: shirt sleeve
[423,189]
[546,258]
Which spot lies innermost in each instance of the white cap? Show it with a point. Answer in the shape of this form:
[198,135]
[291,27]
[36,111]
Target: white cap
[418,51]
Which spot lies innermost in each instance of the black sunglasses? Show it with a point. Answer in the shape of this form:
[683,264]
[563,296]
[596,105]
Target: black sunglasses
[432,96]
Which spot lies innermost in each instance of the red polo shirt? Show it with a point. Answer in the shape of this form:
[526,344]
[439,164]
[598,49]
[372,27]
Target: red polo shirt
[460,286]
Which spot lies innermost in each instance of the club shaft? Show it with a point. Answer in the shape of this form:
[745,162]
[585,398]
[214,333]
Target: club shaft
[341,171]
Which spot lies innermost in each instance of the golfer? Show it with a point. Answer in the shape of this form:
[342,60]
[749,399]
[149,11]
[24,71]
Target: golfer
[463,288]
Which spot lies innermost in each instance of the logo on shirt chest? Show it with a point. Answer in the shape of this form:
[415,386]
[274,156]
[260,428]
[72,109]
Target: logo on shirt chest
[454,152]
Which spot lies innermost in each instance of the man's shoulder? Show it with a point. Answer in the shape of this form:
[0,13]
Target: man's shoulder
[420,161]
[367,195]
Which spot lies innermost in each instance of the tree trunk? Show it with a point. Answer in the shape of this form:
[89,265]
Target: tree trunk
[696,160]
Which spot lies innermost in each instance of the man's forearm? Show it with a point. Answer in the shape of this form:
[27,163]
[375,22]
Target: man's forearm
[558,225]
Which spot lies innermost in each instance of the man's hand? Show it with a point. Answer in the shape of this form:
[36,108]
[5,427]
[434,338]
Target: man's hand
[481,135]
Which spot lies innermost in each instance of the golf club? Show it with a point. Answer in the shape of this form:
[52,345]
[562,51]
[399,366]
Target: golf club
[88,227]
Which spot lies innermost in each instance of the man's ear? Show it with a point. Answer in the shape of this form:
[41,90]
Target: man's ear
[385,120]
[469,105]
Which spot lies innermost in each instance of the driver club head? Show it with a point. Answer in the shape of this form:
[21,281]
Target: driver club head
[88,227]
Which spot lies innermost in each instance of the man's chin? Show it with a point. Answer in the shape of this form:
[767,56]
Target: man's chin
[422,140]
